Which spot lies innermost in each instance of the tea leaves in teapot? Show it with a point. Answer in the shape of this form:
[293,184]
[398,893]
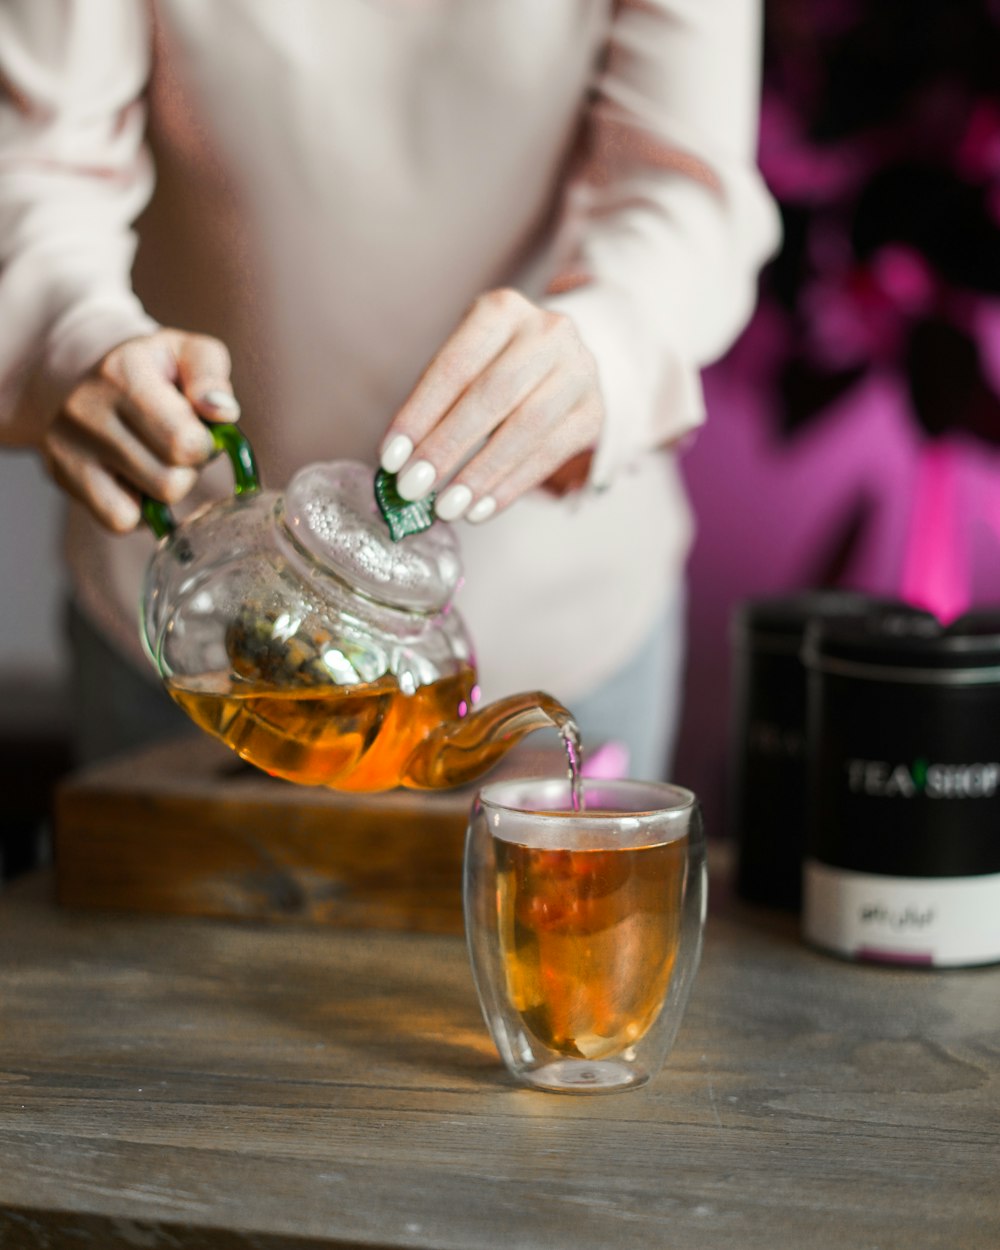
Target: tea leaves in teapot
[270,648]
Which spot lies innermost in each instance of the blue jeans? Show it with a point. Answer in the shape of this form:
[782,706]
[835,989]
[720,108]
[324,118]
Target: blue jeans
[117,708]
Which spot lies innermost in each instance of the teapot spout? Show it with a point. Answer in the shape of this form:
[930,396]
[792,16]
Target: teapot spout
[461,750]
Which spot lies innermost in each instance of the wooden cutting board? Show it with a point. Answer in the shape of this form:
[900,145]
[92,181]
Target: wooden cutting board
[187,828]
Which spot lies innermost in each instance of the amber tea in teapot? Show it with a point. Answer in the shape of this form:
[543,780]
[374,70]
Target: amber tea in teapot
[296,629]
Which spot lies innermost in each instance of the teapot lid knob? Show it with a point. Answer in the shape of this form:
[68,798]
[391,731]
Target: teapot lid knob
[332,513]
[403,516]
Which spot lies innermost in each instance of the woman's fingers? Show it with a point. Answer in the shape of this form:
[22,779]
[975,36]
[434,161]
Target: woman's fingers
[142,417]
[490,399]
[89,428]
[133,426]
[203,368]
[511,397]
[86,479]
[479,339]
[541,435]
[164,385]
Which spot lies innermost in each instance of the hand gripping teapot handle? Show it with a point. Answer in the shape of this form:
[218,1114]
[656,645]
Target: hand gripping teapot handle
[227,438]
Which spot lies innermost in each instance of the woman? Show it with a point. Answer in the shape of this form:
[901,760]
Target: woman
[489,243]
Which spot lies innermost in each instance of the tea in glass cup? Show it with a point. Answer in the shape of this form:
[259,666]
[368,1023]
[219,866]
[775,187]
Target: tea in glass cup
[584,926]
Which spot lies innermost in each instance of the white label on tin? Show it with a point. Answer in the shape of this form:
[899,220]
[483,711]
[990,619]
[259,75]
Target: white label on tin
[915,920]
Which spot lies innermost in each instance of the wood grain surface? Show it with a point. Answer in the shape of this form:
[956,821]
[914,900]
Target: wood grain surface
[187,828]
[181,1083]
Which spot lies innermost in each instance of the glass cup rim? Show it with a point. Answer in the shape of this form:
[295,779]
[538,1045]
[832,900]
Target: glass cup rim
[677,801]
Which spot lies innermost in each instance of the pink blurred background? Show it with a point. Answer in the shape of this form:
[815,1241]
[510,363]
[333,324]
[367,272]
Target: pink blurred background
[853,438]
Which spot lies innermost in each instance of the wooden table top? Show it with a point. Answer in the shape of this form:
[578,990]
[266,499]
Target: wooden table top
[201,1083]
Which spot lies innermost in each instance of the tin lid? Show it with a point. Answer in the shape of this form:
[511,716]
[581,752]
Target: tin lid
[908,646]
[779,622]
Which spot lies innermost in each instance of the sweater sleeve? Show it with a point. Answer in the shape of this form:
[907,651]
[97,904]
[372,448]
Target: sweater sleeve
[74,175]
[667,221]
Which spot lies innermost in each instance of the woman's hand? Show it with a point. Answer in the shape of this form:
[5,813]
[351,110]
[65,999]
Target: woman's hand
[510,398]
[132,425]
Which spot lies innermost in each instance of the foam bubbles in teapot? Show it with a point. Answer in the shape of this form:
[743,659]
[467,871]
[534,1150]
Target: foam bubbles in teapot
[332,512]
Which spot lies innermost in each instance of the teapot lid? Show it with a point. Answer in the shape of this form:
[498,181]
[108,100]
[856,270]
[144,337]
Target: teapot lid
[331,512]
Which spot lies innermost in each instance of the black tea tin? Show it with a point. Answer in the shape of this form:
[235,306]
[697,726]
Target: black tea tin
[903,847]
[768,743]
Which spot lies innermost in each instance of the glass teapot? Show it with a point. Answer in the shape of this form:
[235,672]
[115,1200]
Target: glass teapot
[313,632]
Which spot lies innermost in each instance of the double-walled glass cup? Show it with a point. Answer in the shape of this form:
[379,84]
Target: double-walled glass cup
[584,927]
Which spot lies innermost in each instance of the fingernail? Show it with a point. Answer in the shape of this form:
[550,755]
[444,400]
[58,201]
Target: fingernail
[221,401]
[483,510]
[417,480]
[396,452]
[450,505]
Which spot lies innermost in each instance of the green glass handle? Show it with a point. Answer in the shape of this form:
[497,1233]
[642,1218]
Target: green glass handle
[227,438]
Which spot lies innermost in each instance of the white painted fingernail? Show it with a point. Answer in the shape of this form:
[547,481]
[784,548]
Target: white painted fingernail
[221,401]
[483,510]
[396,452]
[452,503]
[417,480]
